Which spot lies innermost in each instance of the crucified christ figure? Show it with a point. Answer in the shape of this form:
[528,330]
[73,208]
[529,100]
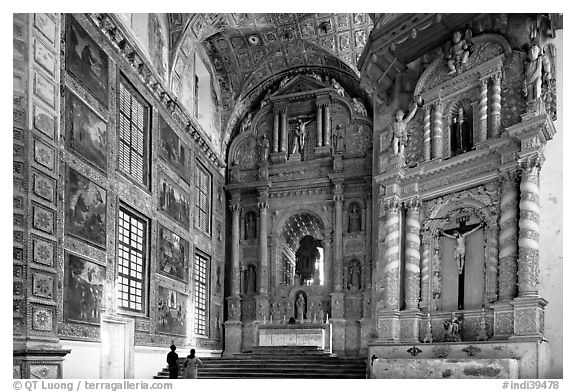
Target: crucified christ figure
[460,250]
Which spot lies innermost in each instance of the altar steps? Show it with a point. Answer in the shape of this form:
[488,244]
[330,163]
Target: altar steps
[281,362]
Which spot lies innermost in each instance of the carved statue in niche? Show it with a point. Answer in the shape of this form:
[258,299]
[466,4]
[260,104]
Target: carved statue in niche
[354,219]
[264,148]
[250,226]
[460,251]
[336,86]
[461,133]
[359,107]
[306,257]
[354,275]
[435,301]
[458,51]
[250,274]
[299,136]
[246,123]
[338,139]
[300,306]
[452,329]
[400,135]
[537,73]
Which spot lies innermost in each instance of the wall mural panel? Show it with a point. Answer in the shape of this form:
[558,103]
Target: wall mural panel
[85,132]
[173,253]
[171,312]
[174,201]
[86,61]
[174,151]
[85,204]
[83,289]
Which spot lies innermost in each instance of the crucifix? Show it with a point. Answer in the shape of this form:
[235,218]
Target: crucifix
[460,235]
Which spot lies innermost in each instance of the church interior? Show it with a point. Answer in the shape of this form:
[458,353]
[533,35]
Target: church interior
[378,188]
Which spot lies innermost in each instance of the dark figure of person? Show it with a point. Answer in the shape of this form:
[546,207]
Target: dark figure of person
[172,359]
[191,365]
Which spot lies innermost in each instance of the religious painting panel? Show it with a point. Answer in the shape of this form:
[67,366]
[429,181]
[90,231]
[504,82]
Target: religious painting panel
[171,312]
[174,151]
[85,204]
[174,201]
[173,253]
[85,132]
[86,61]
[83,289]
[157,45]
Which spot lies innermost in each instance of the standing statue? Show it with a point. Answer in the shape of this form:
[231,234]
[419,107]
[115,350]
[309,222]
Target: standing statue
[461,138]
[460,251]
[354,220]
[358,107]
[354,277]
[458,51]
[338,139]
[536,69]
[400,135]
[300,308]
[250,227]
[264,148]
[299,136]
[336,86]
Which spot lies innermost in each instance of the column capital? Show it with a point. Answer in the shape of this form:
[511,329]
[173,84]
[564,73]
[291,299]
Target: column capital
[531,163]
[509,176]
[413,204]
[391,204]
[497,76]
[338,198]
[235,207]
[263,205]
[484,81]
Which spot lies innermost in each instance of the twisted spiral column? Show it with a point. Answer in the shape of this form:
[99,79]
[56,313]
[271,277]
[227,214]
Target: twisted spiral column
[392,256]
[412,255]
[326,124]
[492,264]
[427,147]
[496,106]
[529,234]
[508,237]
[438,132]
[483,109]
[425,270]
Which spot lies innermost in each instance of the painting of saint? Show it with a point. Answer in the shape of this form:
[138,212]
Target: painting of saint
[83,289]
[86,61]
[85,204]
[172,254]
[171,312]
[85,132]
[174,202]
[174,151]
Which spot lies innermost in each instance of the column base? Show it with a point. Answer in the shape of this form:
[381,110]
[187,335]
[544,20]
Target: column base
[528,317]
[37,360]
[233,338]
[338,335]
[388,325]
[337,163]
[295,157]
[322,151]
[410,326]
[262,308]
[367,335]
[503,320]
[337,305]
[278,157]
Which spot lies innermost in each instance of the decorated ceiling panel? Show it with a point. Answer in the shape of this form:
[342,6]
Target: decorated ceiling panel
[299,226]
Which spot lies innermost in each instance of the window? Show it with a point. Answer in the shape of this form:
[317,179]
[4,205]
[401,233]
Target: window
[133,124]
[132,244]
[201,265]
[202,211]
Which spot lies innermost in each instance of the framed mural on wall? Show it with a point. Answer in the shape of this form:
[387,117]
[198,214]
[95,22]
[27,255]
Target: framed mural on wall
[173,252]
[174,151]
[85,205]
[85,132]
[171,311]
[83,289]
[174,201]
[86,61]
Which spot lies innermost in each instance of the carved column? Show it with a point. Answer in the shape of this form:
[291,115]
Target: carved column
[327,246]
[318,124]
[529,234]
[495,104]
[483,108]
[492,263]
[338,201]
[412,255]
[275,262]
[508,238]
[275,146]
[427,146]
[284,129]
[263,241]
[327,121]
[235,249]
[438,132]
[392,256]
[425,272]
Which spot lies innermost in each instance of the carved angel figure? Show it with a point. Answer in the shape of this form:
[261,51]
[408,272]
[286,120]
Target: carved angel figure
[336,86]
[358,107]
[458,50]
[537,73]
[400,135]
[247,123]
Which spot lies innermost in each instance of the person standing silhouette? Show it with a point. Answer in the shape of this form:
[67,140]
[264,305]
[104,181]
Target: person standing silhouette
[191,365]
[172,359]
